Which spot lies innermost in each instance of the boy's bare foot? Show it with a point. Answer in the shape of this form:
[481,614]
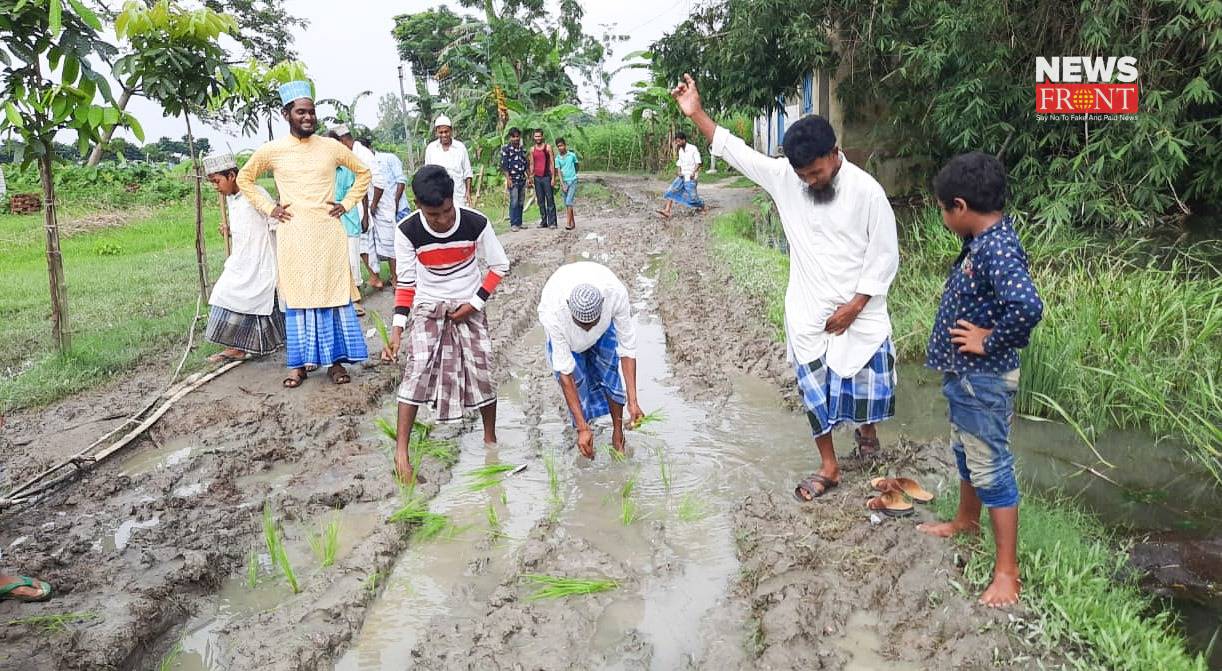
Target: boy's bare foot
[618,442]
[1003,591]
[949,529]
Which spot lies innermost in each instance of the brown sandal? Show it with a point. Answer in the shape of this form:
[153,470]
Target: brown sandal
[338,375]
[294,380]
[906,486]
[806,490]
[891,504]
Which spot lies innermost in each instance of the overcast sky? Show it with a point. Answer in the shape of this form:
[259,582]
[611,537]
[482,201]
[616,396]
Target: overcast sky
[347,48]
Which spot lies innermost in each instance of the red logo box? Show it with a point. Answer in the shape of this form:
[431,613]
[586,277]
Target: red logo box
[1051,98]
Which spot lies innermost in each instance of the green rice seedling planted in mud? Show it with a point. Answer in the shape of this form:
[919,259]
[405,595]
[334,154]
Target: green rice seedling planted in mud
[415,512]
[325,543]
[628,512]
[380,325]
[372,581]
[691,508]
[252,569]
[555,587]
[55,622]
[275,548]
[663,467]
[615,455]
[553,483]
[486,477]
[1076,578]
[170,660]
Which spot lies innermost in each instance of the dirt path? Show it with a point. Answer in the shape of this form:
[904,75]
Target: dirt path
[161,536]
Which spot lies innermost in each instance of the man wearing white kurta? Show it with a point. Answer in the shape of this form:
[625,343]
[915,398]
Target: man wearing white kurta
[587,316]
[451,154]
[243,314]
[843,256]
[378,187]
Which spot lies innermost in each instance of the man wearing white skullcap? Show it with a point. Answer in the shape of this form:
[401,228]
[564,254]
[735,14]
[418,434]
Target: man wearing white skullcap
[451,154]
[315,280]
[591,336]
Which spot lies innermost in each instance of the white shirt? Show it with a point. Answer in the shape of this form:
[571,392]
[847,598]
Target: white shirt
[836,249]
[456,162]
[378,179]
[689,161]
[564,334]
[248,282]
[391,169]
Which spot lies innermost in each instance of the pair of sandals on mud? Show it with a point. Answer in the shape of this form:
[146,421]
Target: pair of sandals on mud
[895,493]
[336,373]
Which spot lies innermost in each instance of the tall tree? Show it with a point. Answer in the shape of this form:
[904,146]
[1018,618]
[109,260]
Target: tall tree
[49,85]
[176,61]
[421,38]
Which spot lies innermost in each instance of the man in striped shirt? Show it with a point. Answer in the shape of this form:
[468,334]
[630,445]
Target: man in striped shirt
[439,301]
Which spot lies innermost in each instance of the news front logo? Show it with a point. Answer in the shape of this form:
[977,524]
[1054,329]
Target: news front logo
[1086,86]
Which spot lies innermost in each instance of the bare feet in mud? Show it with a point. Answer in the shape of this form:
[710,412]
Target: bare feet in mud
[618,441]
[1003,591]
[949,529]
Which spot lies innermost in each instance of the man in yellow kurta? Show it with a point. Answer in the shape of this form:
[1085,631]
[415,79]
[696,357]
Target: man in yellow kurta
[315,278]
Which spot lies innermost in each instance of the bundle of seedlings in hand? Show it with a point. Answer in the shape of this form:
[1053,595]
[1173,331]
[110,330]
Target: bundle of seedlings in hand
[651,418]
[489,476]
[325,543]
[555,587]
[275,548]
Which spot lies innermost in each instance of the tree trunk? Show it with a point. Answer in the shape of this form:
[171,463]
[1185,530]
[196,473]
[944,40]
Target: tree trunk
[96,155]
[270,137]
[55,261]
[201,259]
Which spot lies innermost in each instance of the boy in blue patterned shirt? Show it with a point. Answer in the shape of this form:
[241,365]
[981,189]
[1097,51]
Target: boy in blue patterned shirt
[989,306]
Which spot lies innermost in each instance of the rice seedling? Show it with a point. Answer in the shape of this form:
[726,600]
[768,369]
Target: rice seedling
[494,522]
[663,468]
[616,456]
[387,427]
[428,525]
[275,548]
[628,512]
[373,580]
[650,418]
[380,325]
[486,477]
[55,622]
[171,658]
[252,569]
[691,508]
[325,543]
[555,587]
[553,479]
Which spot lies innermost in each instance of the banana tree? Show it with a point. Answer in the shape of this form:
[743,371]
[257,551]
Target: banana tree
[344,113]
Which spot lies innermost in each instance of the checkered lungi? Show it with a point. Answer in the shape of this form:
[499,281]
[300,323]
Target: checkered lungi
[683,191]
[865,398]
[323,336]
[449,364]
[256,334]
[597,376]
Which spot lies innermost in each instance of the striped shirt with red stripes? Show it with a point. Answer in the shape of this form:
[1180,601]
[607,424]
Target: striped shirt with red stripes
[435,266]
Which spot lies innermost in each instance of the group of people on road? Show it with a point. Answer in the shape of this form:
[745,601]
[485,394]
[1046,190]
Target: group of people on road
[292,278]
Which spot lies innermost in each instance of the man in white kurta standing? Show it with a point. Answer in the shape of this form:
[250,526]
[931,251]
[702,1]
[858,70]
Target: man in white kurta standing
[843,256]
[451,154]
[378,186]
[243,314]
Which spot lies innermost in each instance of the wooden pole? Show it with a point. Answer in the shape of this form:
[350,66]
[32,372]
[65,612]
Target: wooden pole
[201,258]
[55,259]
[225,224]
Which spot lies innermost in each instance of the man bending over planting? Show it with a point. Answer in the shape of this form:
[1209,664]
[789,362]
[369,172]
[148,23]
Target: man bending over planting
[439,300]
[843,255]
[989,307]
[587,317]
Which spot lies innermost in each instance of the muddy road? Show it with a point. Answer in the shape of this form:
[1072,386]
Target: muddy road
[718,567]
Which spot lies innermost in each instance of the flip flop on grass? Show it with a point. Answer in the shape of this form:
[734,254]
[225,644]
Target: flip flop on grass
[907,486]
[9,591]
[891,504]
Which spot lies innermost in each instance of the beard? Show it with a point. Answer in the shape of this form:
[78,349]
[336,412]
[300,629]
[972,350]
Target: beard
[821,195]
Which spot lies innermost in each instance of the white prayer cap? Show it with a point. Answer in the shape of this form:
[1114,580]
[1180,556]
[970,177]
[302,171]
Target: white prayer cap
[586,303]
[219,162]
[442,120]
[294,91]
[341,129]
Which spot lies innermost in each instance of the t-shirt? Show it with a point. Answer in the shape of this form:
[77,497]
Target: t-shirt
[513,162]
[456,162]
[564,334]
[566,163]
[434,266]
[689,160]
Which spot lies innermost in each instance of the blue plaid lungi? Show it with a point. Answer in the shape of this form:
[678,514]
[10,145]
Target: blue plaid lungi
[683,191]
[597,376]
[865,398]
[323,336]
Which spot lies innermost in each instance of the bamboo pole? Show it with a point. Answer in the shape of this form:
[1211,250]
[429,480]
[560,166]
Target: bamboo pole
[225,225]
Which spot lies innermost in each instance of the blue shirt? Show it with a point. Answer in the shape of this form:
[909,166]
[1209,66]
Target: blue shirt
[566,163]
[989,286]
[344,179]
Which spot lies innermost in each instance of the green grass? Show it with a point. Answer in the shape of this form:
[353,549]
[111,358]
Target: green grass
[171,658]
[276,549]
[1077,580]
[55,622]
[325,543]
[555,587]
[131,296]
[1131,335]
[486,477]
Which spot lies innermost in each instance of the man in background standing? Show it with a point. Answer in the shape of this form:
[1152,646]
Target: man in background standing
[683,189]
[541,158]
[385,211]
[513,164]
[369,200]
[451,154]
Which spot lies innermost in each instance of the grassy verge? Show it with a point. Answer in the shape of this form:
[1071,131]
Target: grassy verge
[131,295]
[1071,570]
[1130,338]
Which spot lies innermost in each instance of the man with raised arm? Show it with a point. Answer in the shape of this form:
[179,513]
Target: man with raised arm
[843,256]
[314,278]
